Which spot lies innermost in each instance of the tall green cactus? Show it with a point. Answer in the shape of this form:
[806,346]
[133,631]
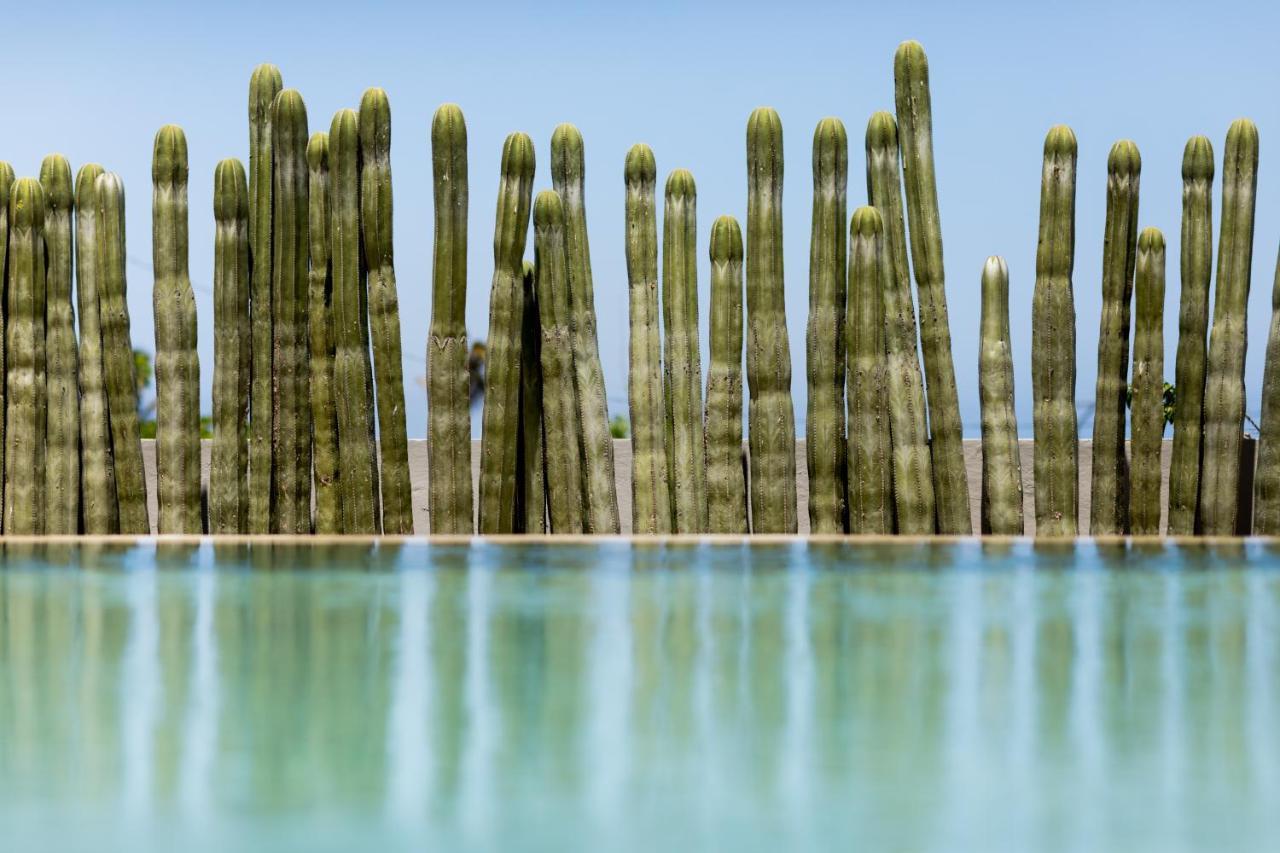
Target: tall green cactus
[683,363]
[6,187]
[1109,509]
[1266,503]
[559,409]
[772,416]
[908,430]
[501,419]
[1193,333]
[825,439]
[650,489]
[448,380]
[1224,386]
[352,372]
[532,497]
[26,401]
[1053,353]
[1001,462]
[870,469]
[726,479]
[62,436]
[384,310]
[599,490]
[1148,385]
[232,351]
[915,122]
[324,394]
[177,364]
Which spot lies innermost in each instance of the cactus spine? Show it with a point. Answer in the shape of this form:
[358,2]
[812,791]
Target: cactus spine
[384,310]
[1224,386]
[1148,385]
[532,512]
[599,490]
[870,470]
[1001,463]
[915,121]
[62,441]
[908,430]
[324,415]
[1053,353]
[559,409]
[6,188]
[501,419]
[352,373]
[726,480]
[26,403]
[232,353]
[1193,328]
[825,444]
[1109,511]
[772,417]
[683,361]
[650,489]
[448,381]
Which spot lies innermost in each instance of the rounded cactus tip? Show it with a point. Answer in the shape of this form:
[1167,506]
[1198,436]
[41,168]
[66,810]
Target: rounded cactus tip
[448,119]
[169,161]
[1124,159]
[1244,131]
[517,155]
[1197,159]
[726,240]
[86,179]
[55,177]
[528,269]
[1060,141]
[764,118]
[344,125]
[910,53]
[995,268]
[866,222]
[680,184]
[231,195]
[831,128]
[566,136]
[263,85]
[289,104]
[26,204]
[1150,240]
[882,130]
[641,165]
[374,102]
[548,211]
[317,149]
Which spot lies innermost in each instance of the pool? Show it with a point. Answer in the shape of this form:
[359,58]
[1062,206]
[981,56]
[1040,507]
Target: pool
[956,696]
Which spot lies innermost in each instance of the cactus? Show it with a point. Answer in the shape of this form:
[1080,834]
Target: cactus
[1193,328]
[384,310]
[1109,512]
[772,417]
[264,85]
[1266,504]
[117,357]
[324,415]
[915,122]
[532,511]
[62,431]
[1001,463]
[500,435]
[177,364]
[825,338]
[1224,386]
[232,353]
[448,381]
[908,431]
[650,489]
[559,409]
[870,469]
[1148,385]
[352,372]
[686,449]
[726,480]
[599,490]
[1053,353]
[26,403]
[6,187]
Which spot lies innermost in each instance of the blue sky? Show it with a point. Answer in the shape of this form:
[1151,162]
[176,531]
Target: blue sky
[98,85]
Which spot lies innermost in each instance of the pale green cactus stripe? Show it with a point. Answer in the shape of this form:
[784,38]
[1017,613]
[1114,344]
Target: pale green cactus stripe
[1148,384]
[1001,463]
[324,416]
[532,515]
[726,476]
[6,186]
[870,469]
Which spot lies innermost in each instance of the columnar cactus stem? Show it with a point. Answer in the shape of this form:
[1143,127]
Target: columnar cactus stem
[915,122]
[177,364]
[1001,463]
[870,469]
[909,432]
[501,419]
[1148,385]
[62,442]
[1266,503]
[26,403]
[683,363]
[352,372]
[232,351]
[1224,386]
[6,187]
[532,516]
[1193,333]
[650,489]
[559,409]
[599,489]
[1109,512]
[825,439]
[726,480]
[1053,351]
[448,381]
[772,417]
[384,310]
[324,415]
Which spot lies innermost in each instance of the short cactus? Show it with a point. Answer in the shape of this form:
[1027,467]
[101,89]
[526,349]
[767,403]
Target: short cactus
[1001,464]
[532,512]
[6,186]
[320,332]
[1148,385]
[726,477]
[870,469]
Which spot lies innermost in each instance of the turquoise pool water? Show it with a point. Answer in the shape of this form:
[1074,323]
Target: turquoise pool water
[889,697]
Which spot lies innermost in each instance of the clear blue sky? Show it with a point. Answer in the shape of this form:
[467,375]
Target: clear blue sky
[95,82]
